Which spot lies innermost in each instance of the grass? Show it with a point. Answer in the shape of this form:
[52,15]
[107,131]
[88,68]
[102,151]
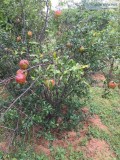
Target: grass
[108,110]
[97,133]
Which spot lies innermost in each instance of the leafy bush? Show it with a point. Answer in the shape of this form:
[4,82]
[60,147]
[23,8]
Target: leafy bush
[58,74]
[50,106]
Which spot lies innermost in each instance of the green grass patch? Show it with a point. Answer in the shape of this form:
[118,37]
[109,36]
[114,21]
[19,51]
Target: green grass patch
[109,111]
[97,133]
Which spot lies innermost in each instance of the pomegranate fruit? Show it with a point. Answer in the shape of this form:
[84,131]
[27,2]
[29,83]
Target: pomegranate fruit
[112,84]
[22,71]
[58,13]
[29,33]
[24,64]
[20,78]
[50,83]
[82,49]
[19,38]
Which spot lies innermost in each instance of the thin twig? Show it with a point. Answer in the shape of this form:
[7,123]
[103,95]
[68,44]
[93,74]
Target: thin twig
[46,20]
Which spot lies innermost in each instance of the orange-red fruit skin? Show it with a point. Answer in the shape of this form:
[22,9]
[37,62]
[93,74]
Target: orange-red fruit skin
[52,81]
[20,78]
[24,64]
[21,71]
[112,84]
[58,13]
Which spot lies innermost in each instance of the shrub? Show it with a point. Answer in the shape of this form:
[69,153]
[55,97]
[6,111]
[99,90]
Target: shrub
[58,74]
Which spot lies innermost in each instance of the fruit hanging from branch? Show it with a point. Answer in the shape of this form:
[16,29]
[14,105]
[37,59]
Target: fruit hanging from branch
[19,38]
[22,71]
[58,13]
[112,84]
[81,49]
[20,78]
[24,64]
[30,33]
[50,83]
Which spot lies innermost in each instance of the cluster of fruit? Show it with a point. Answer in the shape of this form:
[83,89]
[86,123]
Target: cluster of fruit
[21,74]
[57,14]
[70,45]
[29,33]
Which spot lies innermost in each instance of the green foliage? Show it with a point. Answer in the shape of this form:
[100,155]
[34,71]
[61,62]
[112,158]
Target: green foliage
[108,110]
[23,155]
[59,153]
[97,133]
[45,106]
[50,59]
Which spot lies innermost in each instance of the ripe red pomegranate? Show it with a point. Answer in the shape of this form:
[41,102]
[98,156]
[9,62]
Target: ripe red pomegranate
[58,13]
[20,78]
[22,71]
[24,64]
[112,84]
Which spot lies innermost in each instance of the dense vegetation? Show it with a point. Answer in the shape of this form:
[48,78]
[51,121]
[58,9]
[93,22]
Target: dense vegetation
[62,49]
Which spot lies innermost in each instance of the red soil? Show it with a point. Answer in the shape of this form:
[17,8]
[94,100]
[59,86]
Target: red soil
[41,149]
[98,77]
[95,120]
[98,150]
[66,138]
[95,148]
[3,147]
[59,143]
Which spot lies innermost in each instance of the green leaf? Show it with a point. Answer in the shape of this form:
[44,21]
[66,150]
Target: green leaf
[34,43]
[45,60]
[57,72]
